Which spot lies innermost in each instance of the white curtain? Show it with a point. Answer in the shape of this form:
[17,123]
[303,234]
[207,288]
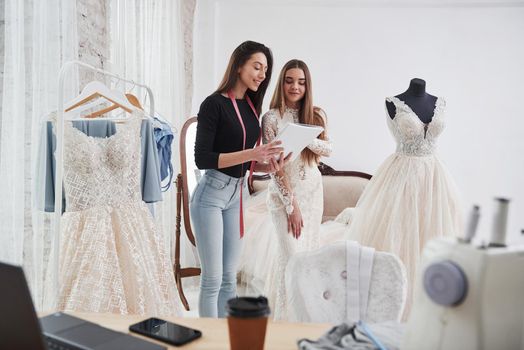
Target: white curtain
[39,37]
[148,45]
[13,150]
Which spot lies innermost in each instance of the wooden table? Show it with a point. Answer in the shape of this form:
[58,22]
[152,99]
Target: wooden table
[279,335]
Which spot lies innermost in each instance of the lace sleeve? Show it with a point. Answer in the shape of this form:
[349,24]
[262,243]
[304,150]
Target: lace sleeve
[321,147]
[269,127]
[269,132]
[284,191]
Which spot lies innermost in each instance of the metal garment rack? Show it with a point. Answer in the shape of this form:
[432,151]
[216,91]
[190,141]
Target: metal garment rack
[59,153]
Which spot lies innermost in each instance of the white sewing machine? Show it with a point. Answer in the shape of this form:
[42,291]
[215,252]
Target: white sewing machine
[467,297]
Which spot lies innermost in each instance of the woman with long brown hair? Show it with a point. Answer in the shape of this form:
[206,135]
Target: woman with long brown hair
[227,131]
[295,195]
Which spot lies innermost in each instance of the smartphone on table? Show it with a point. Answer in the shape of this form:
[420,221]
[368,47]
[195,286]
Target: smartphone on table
[165,331]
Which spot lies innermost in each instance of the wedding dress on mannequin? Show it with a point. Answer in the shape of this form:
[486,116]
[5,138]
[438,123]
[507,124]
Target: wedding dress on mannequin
[411,198]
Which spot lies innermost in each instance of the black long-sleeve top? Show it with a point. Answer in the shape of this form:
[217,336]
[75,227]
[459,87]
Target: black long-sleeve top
[219,131]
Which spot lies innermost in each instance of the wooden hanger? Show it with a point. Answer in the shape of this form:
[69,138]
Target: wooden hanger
[130,97]
[134,101]
[96,89]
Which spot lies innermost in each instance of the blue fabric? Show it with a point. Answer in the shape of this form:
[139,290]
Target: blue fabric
[150,165]
[164,139]
[215,210]
[365,330]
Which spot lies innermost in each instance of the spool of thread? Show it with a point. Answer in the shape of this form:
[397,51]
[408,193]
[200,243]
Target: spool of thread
[500,223]
[473,222]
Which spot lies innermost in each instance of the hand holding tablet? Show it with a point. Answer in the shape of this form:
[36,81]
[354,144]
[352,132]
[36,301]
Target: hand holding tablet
[295,137]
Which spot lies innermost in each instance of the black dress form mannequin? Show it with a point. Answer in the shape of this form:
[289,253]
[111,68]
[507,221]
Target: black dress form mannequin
[416,97]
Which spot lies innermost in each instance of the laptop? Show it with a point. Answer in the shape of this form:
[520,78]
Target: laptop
[20,327]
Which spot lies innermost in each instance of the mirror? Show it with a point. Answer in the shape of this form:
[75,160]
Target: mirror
[186,181]
[188,168]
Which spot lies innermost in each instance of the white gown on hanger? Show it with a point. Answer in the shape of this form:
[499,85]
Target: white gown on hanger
[275,249]
[411,198]
[112,256]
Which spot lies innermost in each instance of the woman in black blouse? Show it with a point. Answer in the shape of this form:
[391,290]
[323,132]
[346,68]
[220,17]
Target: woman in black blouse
[228,129]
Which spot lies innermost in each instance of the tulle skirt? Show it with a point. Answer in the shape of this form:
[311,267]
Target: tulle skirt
[113,260]
[409,201]
[259,251]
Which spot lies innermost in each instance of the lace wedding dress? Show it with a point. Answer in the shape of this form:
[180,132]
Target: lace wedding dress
[112,257]
[305,182]
[411,198]
[259,249]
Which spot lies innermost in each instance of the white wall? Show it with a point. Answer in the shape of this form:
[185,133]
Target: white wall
[471,53]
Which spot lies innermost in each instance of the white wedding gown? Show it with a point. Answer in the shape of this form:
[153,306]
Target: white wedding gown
[259,248]
[112,256]
[411,197]
[268,245]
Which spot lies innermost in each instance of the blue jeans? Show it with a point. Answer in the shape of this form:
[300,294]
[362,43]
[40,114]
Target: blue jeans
[215,210]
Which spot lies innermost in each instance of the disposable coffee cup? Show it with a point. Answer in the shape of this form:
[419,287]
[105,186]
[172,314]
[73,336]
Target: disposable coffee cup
[247,322]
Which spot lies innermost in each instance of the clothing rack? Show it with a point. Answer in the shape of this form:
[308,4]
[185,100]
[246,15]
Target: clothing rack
[59,153]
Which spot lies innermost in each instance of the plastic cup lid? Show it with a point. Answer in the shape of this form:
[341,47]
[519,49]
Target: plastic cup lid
[247,307]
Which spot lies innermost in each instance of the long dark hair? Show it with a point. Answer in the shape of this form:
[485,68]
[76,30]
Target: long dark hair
[238,58]
[307,112]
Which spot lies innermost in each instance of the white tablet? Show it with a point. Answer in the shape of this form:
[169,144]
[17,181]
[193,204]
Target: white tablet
[296,137]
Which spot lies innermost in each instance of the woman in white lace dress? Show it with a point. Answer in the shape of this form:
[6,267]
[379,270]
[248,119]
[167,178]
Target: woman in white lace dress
[295,197]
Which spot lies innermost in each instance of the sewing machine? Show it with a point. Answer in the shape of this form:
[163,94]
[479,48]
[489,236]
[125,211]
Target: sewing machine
[467,297]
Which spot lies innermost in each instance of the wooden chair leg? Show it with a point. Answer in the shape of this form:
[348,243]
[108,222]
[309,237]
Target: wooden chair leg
[178,272]
[178,280]
[182,205]
[188,271]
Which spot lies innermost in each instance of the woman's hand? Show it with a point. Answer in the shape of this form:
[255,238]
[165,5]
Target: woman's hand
[295,222]
[274,165]
[266,152]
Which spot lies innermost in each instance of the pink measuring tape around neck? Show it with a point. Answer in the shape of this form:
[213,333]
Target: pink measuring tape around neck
[233,100]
